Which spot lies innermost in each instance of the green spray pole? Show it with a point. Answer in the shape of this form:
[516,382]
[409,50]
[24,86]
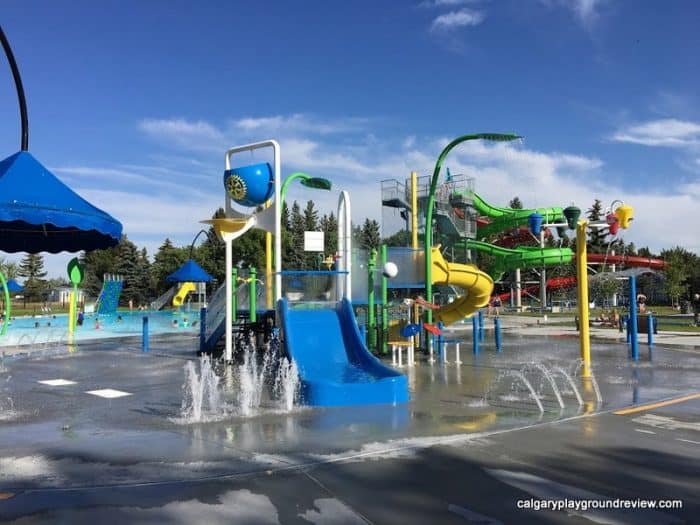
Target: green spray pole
[76,273]
[252,289]
[499,137]
[371,319]
[6,292]
[385,305]
[234,294]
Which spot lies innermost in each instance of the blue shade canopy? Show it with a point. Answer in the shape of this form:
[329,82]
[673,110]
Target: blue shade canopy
[14,287]
[39,213]
[190,272]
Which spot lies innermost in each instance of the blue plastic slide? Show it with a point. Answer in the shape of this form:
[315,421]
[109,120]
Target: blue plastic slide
[335,366]
[108,300]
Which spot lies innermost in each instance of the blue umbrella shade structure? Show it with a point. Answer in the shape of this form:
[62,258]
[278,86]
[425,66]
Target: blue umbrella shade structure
[39,213]
[14,287]
[190,272]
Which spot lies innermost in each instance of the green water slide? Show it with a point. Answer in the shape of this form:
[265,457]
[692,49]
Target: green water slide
[523,257]
[503,219]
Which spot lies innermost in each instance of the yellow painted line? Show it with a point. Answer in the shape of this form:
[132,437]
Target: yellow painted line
[651,406]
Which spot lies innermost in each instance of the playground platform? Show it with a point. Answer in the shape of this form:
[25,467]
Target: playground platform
[448,456]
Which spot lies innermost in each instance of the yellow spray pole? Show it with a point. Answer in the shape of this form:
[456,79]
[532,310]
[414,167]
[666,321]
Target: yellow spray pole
[582,285]
[268,266]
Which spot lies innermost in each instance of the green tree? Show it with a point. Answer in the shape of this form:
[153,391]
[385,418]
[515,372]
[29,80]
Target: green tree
[603,286]
[515,203]
[329,226]
[8,268]
[143,291]
[400,238]
[369,235]
[211,254]
[97,263]
[35,285]
[127,265]
[677,272]
[310,217]
[596,236]
[168,259]
[295,255]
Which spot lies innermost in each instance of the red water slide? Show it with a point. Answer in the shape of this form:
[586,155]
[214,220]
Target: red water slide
[628,260]
[567,282]
[552,284]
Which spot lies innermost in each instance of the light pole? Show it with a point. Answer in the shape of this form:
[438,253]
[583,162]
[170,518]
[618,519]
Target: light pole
[497,137]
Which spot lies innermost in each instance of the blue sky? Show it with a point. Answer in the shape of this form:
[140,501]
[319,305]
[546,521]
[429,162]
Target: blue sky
[133,103]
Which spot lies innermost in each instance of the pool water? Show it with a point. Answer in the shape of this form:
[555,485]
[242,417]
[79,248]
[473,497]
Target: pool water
[48,328]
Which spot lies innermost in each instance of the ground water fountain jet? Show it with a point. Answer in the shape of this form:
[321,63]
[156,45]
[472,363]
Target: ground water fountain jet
[576,367]
[517,375]
[270,381]
[286,385]
[559,370]
[539,367]
[202,394]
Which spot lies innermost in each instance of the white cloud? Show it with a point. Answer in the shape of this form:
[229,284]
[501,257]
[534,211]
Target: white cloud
[446,3]
[299,123]
[663,132]
[586,11]
[197,135]
[457,19]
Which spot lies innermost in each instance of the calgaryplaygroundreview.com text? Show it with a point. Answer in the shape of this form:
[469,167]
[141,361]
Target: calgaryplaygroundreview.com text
[584,505]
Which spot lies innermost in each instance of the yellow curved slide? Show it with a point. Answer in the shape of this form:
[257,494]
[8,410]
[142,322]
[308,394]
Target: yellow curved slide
[185,288]
[476,283]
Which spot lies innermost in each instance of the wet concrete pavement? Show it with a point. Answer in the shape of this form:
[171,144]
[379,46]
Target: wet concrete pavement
[470,444]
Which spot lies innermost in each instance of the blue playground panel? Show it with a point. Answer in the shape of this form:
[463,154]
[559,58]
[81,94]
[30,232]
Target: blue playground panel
[335,366]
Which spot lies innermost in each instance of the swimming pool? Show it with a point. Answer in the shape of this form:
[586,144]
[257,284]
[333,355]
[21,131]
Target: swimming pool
[49,329]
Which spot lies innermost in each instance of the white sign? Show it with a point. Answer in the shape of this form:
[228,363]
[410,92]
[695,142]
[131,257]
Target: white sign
[313,242]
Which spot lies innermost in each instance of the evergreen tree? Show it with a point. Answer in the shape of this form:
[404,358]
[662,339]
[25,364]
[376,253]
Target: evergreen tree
[311,224]
[143,289]
[211,254]
[295,257]
[35,284]
[127,265]
[97,263]
[166,261]
[369,235]
[596,236]
[515,203]
[329,225]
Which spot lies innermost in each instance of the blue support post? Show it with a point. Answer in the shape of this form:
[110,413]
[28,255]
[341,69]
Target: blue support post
[144,340]
[475,335]
[650,332]
[202,327]
[627,328]
[634,336]
[441,344]
[481,325]
[497,333]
